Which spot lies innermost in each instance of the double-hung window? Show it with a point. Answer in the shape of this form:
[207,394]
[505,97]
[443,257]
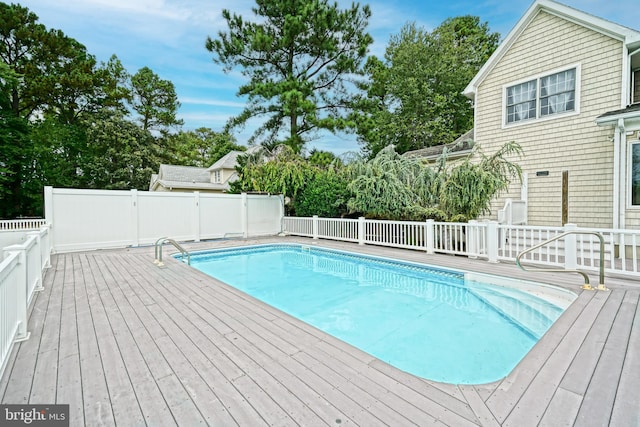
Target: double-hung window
[541,97]
[521,102]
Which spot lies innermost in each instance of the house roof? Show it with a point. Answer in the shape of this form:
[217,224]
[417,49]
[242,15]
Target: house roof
[183,174]
[189,185]
[611,117]
[228,161]
[627,35]
[184,177]
[462,145]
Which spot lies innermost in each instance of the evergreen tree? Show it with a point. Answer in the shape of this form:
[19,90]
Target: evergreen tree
[297,57]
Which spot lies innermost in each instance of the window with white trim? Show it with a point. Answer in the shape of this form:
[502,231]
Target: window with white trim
[541,97]
[216,177]
[635,174]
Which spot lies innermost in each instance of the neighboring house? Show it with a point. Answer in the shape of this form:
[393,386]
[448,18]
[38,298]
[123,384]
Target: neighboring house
[565,85]
[184,178]
[216,178]
[462,146]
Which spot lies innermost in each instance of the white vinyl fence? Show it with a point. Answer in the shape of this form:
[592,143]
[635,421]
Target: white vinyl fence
[93,219]
[488,240]
[20,276]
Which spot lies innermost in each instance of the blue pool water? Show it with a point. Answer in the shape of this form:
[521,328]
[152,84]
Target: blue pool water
[431,322]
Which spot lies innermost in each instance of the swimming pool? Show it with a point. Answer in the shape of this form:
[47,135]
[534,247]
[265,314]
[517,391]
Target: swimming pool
[439,324]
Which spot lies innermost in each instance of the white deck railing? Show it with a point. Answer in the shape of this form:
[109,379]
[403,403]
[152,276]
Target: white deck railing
[489,240]
[20,277]
[22,224]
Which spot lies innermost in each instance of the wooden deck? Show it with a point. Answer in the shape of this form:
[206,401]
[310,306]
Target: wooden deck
[127,343]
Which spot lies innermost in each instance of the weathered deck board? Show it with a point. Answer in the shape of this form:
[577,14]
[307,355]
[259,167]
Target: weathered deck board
[600,397]
[125,342]
[540,391]
[625,408]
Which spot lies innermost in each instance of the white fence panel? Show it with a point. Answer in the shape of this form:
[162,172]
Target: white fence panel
[264,214]
[398,234]
[516,238]
[22,224]
[20,276]
[298,226]
[96,219]
[220,215]
[164,215]
[10,318]
[488,240]
[90,219]
[345,230]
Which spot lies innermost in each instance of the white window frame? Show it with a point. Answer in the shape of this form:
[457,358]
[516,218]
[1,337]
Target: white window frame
[217,177]
[630,205]
[539,118]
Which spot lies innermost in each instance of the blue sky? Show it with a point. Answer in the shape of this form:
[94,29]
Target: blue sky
[168,36]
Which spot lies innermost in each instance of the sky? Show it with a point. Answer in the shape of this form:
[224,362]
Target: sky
[169,36]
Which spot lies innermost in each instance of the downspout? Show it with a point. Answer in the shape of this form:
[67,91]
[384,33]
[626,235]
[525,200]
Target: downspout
[622,175]
[616,177]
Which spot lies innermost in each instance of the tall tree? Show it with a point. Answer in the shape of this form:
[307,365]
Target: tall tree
[119,155]
[56,76]
[414,97]
[155,100]
[201,147]
[297,57]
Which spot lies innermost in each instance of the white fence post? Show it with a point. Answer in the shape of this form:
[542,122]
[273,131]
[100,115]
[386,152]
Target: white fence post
[315,227]
[196,216]
[21,295]
[38,252]
[570,248]
[492,241]
[430,236]
[135,221]
[244,214]
[45,240]
[471,237]
[48,212]
[361,227]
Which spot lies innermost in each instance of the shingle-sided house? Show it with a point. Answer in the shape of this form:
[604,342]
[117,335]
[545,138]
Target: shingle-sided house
[565,85]
[215,178]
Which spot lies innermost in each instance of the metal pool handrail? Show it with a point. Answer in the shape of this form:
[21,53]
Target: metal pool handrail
[600,287]
[158,250]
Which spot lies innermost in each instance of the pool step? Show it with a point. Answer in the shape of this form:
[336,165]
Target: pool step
[532,314]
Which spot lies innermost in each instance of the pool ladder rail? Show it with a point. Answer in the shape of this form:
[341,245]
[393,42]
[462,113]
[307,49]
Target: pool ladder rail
[158,251]
[586,285]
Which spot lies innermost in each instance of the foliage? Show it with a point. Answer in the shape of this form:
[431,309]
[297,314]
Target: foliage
[323,158]
[297,56]
[469,187]
[325,194]
[413,98]
[383,187]
[397,187]
[121,155]
[155,100]
[64,119]
[201,147]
